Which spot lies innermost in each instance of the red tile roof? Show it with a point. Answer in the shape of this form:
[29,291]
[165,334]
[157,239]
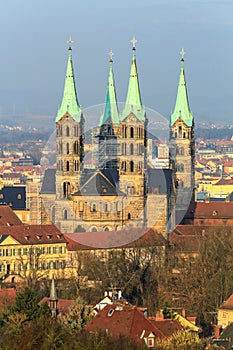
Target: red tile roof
[213,210]
[112,239]
[8,217]
[122,320]
[224,182]
[166,326]
[33,234]
[185,243]
[228,304]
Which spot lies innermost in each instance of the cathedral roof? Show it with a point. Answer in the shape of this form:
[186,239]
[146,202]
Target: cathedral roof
[133,101]
[111,113]
[160,181]
[49,182]
[182,109]
[70,101]
[100,183]
[125,238]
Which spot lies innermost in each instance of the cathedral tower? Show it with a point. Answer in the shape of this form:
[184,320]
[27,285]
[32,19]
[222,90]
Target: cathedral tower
[69,145]
[182,147]
[133,145]
[109,126]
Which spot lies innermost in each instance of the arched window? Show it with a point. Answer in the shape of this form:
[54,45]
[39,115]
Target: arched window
[180,167]
[124,148]
[123,165]
[180,131]
[106,229]
[131,166]
[139,165]
[93,207]
[124,131]
[67,148]
[66,189]
[76,130]
[76,147]
[131,149]
[184,135]
[67,131]
[65,214]
[75,165]
[129,216]
[93,229]
[106,207]
[67,166]
[131,132]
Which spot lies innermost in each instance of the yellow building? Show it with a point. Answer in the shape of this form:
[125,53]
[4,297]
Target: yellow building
[31,253]
[225,312]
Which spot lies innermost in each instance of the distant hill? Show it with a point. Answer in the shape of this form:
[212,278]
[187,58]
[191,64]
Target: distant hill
[29,121]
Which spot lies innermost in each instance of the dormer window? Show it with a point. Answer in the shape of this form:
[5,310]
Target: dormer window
[39,237]
[27,238]
[49,237]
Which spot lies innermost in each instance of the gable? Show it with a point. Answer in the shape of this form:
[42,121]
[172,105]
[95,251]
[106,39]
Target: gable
[131,118]
[8,240]
[98,184]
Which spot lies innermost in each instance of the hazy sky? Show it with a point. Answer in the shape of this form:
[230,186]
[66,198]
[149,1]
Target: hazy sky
[33,36]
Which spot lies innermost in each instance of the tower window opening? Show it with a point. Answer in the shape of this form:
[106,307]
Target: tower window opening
[67,166]
[76,147]
[129,216]
[124,148]
[76,130]
[131,149]
[67,148]
[131,166]
[66,189]
[184,135]
[180,131]
[65,215]
[123,165]
[67,131]
[131,132]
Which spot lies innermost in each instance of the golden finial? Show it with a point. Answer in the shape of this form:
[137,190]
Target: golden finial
[134,41]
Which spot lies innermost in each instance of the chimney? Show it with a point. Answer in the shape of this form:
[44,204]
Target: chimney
[183,313]
[105,293]
[159,315]
[217,331]
[119,294]
[110,294]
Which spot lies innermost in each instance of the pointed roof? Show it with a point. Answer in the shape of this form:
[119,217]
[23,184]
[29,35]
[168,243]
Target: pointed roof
[53,291]
[111,110]
[70,101]
[133,101]
[182,109]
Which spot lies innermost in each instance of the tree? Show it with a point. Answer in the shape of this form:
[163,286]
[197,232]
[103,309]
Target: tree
[30,267]
[26,303]
[78,316]
[205,283]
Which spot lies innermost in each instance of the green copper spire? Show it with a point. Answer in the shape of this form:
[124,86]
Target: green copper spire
[133,101]
[182,109]
[111,109]
[69,102]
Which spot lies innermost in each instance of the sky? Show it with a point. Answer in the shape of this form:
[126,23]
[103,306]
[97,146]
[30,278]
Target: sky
[34,34]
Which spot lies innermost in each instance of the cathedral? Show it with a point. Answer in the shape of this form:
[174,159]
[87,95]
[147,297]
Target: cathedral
[123,190]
